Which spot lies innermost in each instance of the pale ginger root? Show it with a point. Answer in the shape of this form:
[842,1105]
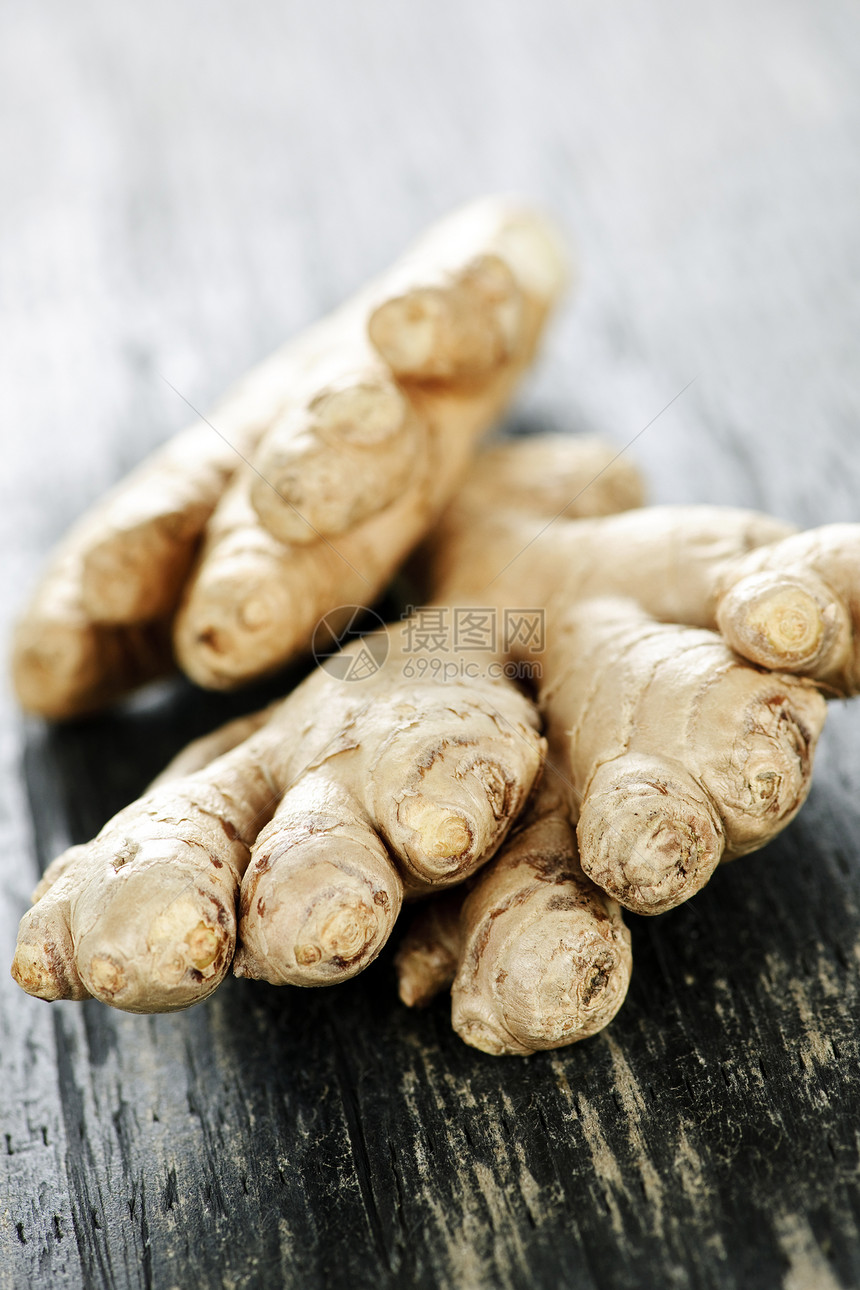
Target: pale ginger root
[667,750]
[341,448]
[439,325]
[678,752]
[436,771]
[341,799]
[795,606]
[784,600]
[464,305]
[673,752]
[536,955]
[539,476]
[427,957]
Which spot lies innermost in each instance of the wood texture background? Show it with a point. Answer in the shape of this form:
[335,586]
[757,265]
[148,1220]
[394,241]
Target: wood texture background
[185,184]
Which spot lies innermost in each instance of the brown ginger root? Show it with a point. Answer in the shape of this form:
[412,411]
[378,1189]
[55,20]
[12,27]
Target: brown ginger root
[672,753]
[538,956]
[679,752]
[439,325]
[427,957]
[682,753]
[441,805]
[350,461]
[784,600]
[340,799]
[254,601]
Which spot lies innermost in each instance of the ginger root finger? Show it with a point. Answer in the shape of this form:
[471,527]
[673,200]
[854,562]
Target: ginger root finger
[450,775]
[253,602]
[345,456]
[321,895]
[351,441]
[428,956]
[344,443]
[457,328]
[677,753]
[648,834]
[540,957]
[65,665]
[546,957]
[44,964]
[143,917]
[794,606]
[456,307]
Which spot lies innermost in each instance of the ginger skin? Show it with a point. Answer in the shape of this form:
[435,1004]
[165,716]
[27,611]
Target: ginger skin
[649,616]
[681,679]
[536,955]
[306,834]
[355,435]
[380,763]
[667,751]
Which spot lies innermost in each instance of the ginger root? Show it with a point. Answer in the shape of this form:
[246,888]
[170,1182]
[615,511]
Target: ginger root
[356,793]
[680,682]
[536,955]
[305,831]
[677,751]
[309,485]
[667,750]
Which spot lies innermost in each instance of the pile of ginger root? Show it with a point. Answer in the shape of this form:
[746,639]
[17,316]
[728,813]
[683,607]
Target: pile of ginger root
[610,699]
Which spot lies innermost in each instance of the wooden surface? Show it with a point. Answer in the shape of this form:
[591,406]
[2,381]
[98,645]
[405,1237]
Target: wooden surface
[183,186]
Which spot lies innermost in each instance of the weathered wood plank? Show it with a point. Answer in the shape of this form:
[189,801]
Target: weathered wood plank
[182,189]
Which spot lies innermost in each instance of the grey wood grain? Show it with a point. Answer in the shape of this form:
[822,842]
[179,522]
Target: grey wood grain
[184,185]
